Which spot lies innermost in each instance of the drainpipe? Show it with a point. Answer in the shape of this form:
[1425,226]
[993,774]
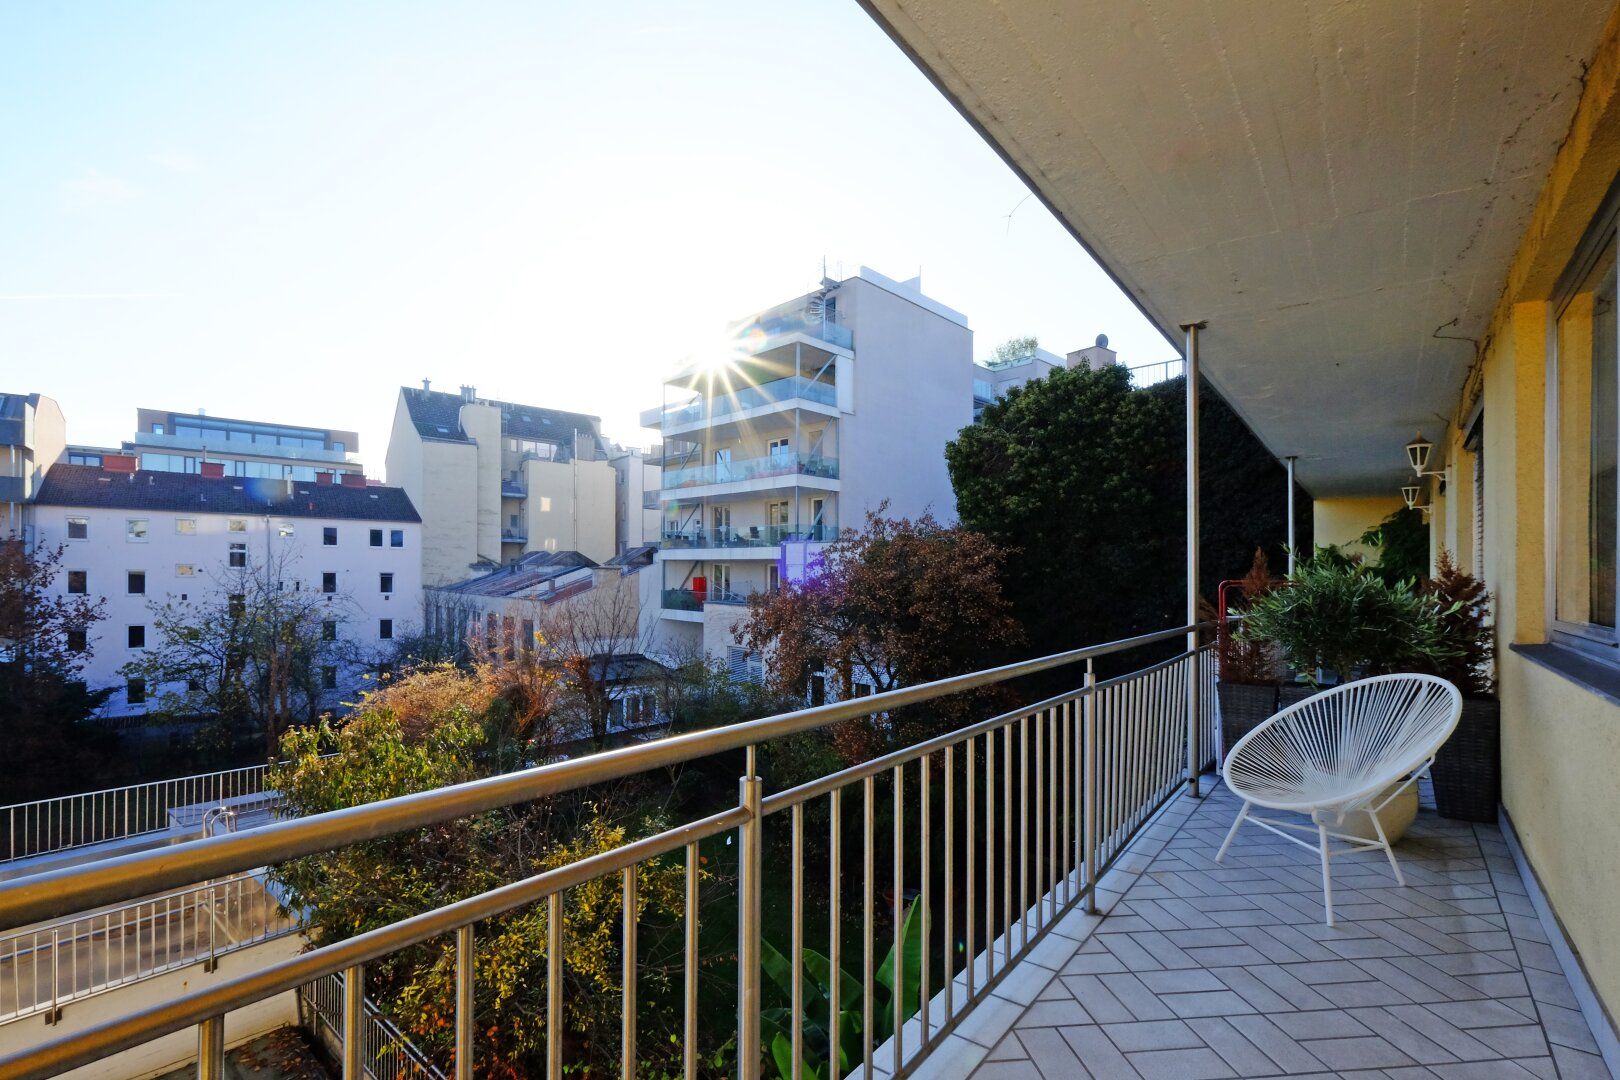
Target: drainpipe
[1194,755]
[1289,462]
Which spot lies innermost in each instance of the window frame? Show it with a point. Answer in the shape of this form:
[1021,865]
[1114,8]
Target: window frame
[385,582]
[329,582]
[329,536]
[67,582]
[131,631]
[131,536]
[185,526]
[84,522]
[396,538]
[129,582]
[1601,643]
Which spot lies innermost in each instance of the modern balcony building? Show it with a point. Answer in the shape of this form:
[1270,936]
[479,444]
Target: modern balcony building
[33,437]
[824,408]
[495,480]
[134,538]
[168,441]
[637,479]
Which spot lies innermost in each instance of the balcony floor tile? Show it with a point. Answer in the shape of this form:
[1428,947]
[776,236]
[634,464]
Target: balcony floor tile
[1226,970]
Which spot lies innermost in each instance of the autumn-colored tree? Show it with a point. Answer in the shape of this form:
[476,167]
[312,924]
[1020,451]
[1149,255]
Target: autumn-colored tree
[428,728]
[592,638]
[900,602]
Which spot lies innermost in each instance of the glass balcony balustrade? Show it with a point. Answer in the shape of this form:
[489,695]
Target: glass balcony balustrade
[782,463]
[752,536]
[741,399]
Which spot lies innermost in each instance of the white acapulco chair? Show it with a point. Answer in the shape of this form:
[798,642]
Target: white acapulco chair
[1334,754]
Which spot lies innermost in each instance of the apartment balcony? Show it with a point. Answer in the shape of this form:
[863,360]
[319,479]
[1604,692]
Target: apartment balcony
[776,326]
[746,402]
[514,489]
[514,536]
[785,468]
[682,600]
[764,540]
[12,489]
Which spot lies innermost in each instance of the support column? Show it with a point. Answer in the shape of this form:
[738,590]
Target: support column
[1194,754]
[1289,462]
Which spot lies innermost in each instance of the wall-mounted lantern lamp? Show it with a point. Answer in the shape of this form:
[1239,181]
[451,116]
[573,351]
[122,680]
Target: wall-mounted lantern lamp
[1417,454]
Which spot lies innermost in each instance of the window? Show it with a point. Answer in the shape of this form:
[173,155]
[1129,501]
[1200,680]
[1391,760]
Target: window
[328,678]
[385,583]
[818,689]
[194,685]
[528,635]
[337,444]
[185,569]
[236,525]
[329,536]
[185,526]
[545,504]
[135,692]
[396,538]
[385,629]
[285,530]
[78,528]
[376,538]
[137,583]
[778,449]
[236,604]
[773,578]
[329,630]
[135,530]
[78,582]
[76,457]
[329,582]
[137,637]
[238,558]
[863,689]
[157,429]
[1587,405]
[77,641]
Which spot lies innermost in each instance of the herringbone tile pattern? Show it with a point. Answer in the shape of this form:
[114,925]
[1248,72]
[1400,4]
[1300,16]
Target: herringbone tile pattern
[1203,970]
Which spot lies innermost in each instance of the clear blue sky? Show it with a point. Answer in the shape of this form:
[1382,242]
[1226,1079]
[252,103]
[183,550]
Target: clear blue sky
[284,211]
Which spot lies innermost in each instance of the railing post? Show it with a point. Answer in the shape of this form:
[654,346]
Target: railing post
[750,865]
[354,1010]
[1088,754]
[55,1013]
[1192,555]
[464,1003]
[211,1049]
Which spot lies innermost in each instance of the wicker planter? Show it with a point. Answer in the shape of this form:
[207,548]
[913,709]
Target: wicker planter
[1468,769]
[1293,693]
[1244,706]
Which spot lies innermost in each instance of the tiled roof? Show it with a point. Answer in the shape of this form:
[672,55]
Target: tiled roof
[87,485]
[535,568]
[437,415]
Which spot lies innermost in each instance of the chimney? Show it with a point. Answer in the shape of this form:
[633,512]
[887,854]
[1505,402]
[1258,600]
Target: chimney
[323,478]
[213,469]
[353,479]
[1096,357]
[119,463]
[427,384]
[468,393]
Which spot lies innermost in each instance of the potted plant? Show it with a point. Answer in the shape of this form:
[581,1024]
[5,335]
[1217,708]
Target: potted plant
[1249,670]
[1468,769]
[1335,621]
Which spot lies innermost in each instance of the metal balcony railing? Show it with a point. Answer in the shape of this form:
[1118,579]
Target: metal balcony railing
[42,970]
[1042,799]
[782,463]
[743,398]
[385,1052]
[681,600]
[47,826]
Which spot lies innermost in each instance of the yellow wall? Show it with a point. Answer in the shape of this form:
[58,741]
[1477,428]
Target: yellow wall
[1560,741]
[1340,521]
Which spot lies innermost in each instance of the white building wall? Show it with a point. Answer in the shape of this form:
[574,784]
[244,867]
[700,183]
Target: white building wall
[108,556]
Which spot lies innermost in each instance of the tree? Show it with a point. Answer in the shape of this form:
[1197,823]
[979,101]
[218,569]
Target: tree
[1016,348]
[1402,543]
[1080,477]
[900,602]
[594,638]
[45,640]
[250,653]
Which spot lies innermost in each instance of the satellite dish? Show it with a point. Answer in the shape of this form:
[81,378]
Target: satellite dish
[1102,341]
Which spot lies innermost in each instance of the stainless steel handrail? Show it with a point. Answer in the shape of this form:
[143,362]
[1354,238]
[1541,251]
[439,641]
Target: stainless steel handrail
[73,889]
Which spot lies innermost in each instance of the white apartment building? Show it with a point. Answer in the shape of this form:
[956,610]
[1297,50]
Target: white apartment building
[824,408]
[494,480]
[33,436]
[138,537]
[167,441]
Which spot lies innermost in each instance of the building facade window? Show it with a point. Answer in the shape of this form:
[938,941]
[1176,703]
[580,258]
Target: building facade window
[329,536]
[328,678]
[285,530]
[329,630]
[236,525]
[385,583]
[329,582]
[78,528]
[385,629]
[185,526]
[77,641]
[135,691]
[137,637]
[236,605]
[376,538]
[78,582]
[185,569]
[137,583]
[396,538]
[135,530]
[238,556]
[1585,448]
